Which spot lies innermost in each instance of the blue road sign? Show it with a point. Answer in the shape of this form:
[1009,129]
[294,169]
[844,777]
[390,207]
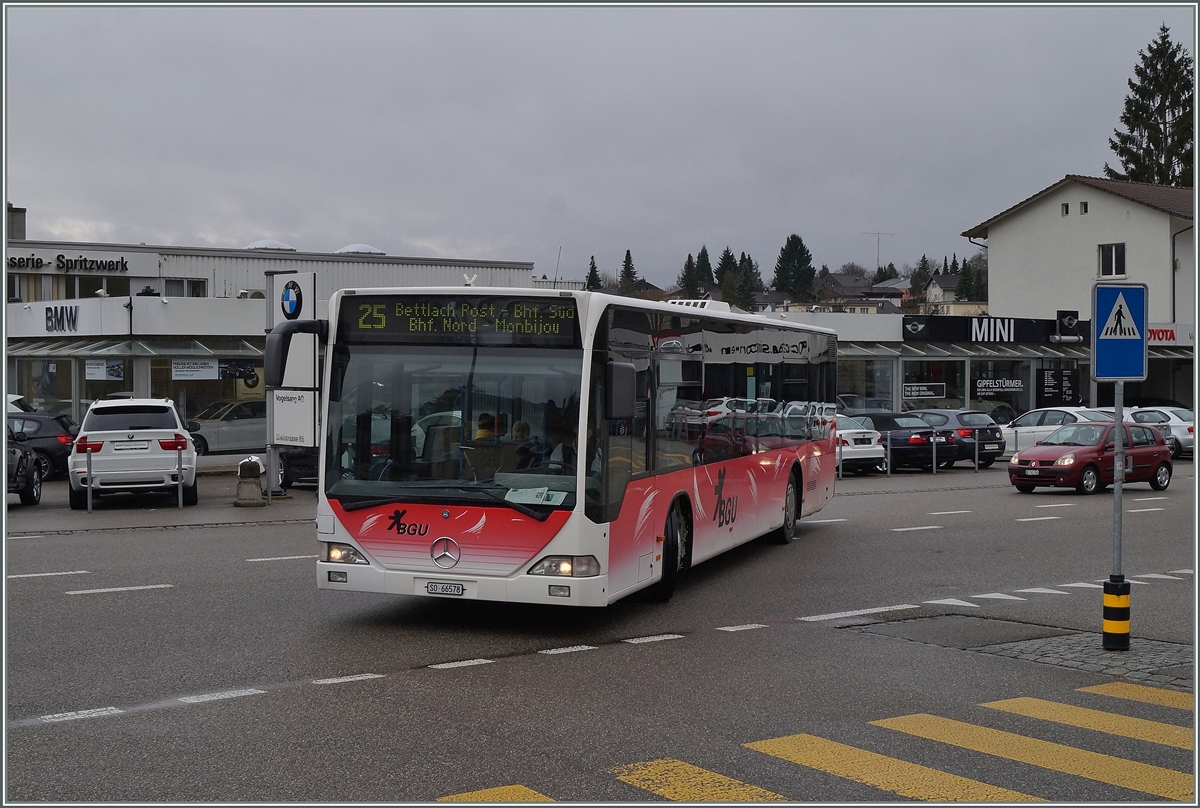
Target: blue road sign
[1119,332]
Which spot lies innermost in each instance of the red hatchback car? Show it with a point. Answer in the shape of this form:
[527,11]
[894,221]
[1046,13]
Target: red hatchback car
[1080,455]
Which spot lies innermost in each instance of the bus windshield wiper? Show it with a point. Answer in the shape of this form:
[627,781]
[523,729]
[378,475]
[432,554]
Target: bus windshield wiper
[491,493]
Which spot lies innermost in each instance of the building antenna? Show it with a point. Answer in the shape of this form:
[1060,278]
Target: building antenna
[877,235]
[556,264]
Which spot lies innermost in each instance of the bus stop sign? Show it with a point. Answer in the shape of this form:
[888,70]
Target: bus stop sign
[1119,332]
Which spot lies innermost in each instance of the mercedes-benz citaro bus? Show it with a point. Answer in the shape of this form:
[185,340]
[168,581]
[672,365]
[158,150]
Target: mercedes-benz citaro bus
[557,447]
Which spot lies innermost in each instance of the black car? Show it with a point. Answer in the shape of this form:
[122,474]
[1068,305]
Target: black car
[24,473]
[297,466]
[910,441]
[970,427]
[50,436]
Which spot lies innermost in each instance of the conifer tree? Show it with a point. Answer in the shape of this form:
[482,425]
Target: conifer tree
[749,283]
[1157,144]
[954,268]
[593,281]
[689,280]
[629,276]
[704,272]
[920,277]
[725,264]
[966,283]
[884,274]
[794,271]
[729,289]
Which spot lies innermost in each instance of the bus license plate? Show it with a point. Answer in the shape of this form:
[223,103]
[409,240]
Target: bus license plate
[435,588]
[1032,472]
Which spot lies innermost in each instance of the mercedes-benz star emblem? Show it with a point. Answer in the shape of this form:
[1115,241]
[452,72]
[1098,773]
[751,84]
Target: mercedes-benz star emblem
[445,552]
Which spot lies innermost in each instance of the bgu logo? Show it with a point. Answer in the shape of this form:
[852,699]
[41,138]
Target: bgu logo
[398,524]
[726,510]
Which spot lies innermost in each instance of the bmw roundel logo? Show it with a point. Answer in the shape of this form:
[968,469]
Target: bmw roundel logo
[292,301]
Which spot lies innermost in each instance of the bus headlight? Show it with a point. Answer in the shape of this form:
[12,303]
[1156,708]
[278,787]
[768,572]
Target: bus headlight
[567,566]
[341,554]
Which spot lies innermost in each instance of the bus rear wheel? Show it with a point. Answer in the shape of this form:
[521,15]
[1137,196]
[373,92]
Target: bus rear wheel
[676,552]
[786,533]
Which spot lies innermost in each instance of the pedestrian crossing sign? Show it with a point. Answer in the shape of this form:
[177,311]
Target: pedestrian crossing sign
[1119,332]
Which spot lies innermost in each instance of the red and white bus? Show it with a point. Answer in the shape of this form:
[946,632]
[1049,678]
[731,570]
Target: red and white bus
[545,446]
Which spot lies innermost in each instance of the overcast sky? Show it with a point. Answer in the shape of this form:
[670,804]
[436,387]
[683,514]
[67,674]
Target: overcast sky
[509,133]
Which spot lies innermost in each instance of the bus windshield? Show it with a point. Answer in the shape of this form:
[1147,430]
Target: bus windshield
[455,424]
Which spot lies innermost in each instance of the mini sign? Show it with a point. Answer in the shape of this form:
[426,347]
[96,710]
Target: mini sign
[1119,332]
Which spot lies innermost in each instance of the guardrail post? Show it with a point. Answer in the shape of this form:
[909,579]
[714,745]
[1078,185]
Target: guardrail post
[179,485]
[89,479]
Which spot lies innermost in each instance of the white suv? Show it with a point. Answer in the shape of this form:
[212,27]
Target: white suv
[135,446]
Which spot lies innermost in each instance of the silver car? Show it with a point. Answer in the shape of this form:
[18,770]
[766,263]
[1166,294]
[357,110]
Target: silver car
[1027,429]
[230,426]
[1173,422]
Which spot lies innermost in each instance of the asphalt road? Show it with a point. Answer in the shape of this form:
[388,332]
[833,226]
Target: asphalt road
[926,638]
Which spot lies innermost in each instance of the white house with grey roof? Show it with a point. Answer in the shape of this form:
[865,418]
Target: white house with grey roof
[1046,252]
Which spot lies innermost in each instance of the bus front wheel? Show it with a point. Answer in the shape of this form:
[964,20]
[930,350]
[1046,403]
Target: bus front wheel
[676,551]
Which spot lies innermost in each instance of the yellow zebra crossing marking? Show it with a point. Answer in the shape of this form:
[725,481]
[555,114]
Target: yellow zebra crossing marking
[1055,757]
[1144,694]
[683,782]
[513,793]
[1111,723]
[883,772]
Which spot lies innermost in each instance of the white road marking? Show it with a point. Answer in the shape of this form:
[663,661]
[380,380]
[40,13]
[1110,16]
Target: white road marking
[856,613]
[463,664]
[1042,591]
[1130,580]
[98,711]
[39,536]
[1159,576]
[119,589]
[281,558]
[1057,505]
[1143,510]
[570,649]
[1082,585]
[358,677]
[225,694]
[1182,572]
[821,521]
[954,602]
[655,638]
[1149,499]
[922,527]
[47,574]
[1038,518]
[746,627]
[945,513]
[999,596]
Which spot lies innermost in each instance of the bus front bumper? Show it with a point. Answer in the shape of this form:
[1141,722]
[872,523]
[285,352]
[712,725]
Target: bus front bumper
[563,591]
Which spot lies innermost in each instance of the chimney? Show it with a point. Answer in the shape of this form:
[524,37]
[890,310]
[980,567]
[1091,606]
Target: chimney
[16,222]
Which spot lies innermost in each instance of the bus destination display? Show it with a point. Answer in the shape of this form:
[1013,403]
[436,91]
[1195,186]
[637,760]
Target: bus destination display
[408,319]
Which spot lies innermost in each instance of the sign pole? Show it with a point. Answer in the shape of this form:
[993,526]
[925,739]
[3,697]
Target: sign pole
[1119,331]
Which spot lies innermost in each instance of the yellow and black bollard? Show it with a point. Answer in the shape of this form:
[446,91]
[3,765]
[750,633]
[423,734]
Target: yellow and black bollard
[1116,613]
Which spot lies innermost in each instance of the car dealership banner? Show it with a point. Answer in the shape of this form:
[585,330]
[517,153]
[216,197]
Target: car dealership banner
[939,328]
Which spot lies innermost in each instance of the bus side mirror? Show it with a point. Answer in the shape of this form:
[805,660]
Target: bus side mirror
[622,391]
[279,342]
